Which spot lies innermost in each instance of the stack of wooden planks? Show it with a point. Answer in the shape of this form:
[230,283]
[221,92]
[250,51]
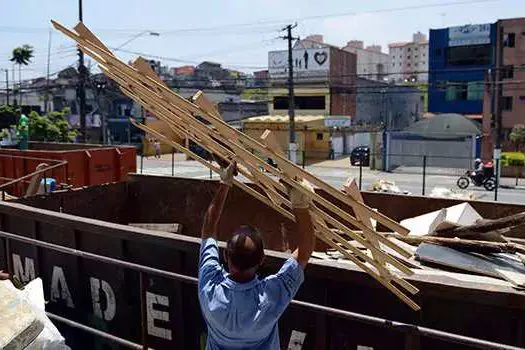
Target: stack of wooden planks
[199,121]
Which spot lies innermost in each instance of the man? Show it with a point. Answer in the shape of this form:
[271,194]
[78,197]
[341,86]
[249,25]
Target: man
[23,128]
[478,171]
[157,149]
[240,309]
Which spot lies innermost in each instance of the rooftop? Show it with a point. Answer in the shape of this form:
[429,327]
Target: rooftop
[284,119]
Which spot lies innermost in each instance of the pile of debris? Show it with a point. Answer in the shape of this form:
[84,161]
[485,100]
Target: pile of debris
[458,239]
[23,321]
[385,186]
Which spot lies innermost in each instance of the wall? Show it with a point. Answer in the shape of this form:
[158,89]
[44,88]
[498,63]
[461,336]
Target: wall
[450,303]
[300,90]
[404,149]
[514,56]
[442,76]
[342,82]
[233,111]
[379,103]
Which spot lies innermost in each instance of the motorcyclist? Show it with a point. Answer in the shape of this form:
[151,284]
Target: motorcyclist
[478,171]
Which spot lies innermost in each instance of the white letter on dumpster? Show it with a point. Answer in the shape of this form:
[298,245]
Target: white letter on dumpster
[111,305]
[153,315]
[24,274]
[59,288]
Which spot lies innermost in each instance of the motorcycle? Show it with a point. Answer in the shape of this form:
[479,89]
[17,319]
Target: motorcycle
[487,181]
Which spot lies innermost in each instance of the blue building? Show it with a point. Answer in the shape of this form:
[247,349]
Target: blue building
[459,58]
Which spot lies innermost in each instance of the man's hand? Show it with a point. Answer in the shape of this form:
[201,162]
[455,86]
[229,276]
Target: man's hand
[3,275]
[301,204]
[228,173]
[298,198]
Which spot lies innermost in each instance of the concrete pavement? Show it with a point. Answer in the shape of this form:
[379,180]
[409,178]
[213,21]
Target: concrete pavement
[336,173]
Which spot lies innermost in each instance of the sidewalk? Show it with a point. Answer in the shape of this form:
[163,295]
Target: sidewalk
[342,162]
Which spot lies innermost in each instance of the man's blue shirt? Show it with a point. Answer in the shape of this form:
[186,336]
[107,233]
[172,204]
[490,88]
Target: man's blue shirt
[243,315]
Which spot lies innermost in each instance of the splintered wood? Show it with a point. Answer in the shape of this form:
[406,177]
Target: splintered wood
[198,120]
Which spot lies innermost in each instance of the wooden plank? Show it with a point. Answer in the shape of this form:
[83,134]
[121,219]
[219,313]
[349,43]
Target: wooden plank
[226,142]
[173,227]
[83,31]
[214,168]
[372,273]
[205,104]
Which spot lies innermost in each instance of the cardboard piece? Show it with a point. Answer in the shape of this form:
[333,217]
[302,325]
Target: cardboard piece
[458,215]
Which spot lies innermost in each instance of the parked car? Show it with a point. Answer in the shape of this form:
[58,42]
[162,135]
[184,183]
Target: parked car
[360,156]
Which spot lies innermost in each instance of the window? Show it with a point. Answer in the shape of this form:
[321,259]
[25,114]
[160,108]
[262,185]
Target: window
[509,39]
[464,90]
[456,91]
[506,103]
[507,72]
[408,57]
[319,136]
[521,99]
[408,64]
[468,55]
[393,64]
[475,91]
[408,49]
[301,102]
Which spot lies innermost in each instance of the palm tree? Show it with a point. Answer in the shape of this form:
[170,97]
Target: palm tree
[22,56]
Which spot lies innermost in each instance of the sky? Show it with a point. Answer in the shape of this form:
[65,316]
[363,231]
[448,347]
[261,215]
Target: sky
[236,33]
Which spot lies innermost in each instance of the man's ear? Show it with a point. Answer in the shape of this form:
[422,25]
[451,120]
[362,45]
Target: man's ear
[262,261]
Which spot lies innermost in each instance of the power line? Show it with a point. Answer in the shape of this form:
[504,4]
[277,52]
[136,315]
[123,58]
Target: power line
[275,21]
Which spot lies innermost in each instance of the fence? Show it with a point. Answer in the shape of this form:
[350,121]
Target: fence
[414,174]
[410,330]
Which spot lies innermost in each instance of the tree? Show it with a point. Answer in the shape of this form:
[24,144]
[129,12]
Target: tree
[51,127]
[22,56]
[517,136]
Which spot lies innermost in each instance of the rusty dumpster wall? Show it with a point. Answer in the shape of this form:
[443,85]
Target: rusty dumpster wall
[85,166]
[74,285]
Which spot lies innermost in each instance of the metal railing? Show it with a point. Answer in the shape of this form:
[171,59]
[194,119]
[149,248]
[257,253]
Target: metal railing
[23,179]
[406,328]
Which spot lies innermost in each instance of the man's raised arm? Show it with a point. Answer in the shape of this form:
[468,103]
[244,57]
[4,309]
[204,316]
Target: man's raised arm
[214,212]
[301,204]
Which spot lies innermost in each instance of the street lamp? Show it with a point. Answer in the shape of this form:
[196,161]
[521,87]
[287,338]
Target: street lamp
[136,36]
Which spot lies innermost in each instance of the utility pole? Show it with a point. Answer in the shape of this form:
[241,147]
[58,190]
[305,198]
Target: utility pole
[291,98]
[46,96]
[81,85]
[499,107]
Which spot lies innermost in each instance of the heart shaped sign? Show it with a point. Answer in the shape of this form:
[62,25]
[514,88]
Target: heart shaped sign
[320,57]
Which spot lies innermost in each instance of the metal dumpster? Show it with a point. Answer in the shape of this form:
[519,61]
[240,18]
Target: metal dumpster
[162,310]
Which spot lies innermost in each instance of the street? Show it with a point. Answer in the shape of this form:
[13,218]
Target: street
[336,173]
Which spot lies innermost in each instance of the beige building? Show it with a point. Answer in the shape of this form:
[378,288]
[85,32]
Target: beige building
[372,63]
[512,102]
[409,60]
[312,136]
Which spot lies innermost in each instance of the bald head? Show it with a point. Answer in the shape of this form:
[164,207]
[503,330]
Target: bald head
[245,249]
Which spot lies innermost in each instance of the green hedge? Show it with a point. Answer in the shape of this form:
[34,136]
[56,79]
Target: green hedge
[512,159]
